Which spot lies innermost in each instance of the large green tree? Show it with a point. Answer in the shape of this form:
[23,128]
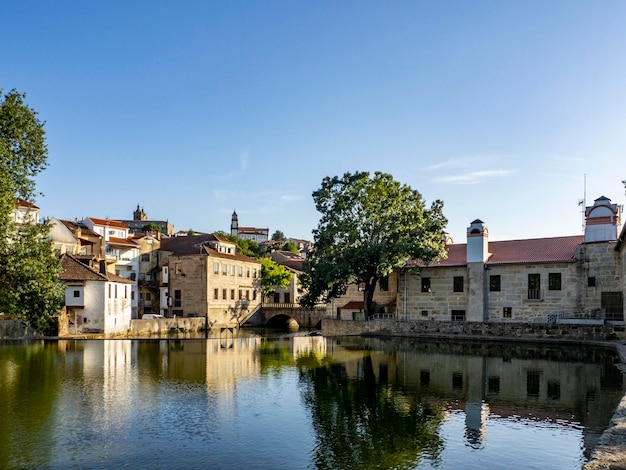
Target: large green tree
[273,276]
[370,225]
[29,272]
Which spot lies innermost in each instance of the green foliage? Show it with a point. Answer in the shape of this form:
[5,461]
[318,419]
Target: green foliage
[29,272]
[273,276]
[278,236]
[152,227]
[291,246]
[369,227]
[245,247]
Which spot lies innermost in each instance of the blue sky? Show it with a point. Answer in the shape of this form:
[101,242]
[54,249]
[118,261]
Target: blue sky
[193,109]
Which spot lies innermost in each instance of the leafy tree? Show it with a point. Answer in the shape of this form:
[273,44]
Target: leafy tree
[291,246]
[278,236]
[273,276]
[29,272]
[369,226]
[151,227]
[244,246]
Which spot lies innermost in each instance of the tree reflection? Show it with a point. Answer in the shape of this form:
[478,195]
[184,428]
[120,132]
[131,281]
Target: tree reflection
[29,389]
[362,423]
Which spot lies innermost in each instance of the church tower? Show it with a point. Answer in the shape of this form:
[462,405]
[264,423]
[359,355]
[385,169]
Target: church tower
[139,214]
[234,225]
[477,256]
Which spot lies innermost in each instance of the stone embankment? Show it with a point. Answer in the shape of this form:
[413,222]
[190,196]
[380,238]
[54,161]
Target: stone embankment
[16,329]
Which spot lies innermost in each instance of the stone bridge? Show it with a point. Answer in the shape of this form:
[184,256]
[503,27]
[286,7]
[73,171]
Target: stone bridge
[281,315]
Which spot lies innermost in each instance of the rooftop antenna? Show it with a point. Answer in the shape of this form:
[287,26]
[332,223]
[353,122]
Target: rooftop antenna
[583,202]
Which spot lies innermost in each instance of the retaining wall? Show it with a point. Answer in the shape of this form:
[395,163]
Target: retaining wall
[16,329]
[164,325]
[519,331]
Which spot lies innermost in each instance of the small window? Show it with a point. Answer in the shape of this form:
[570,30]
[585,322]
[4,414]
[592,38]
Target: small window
[287,297]
[178,298]
[591,281]
[458,284]
[247,294]
[225,269]
[493,385]
[424,313]
[240,271]
[240,294]
[507,312]
[494,283]
[224,295]
[533,383]
[247,272]
[232,270]
[216,294]
[178,269]
[148,296]
[457,381]
[553,389]
[76,293]
[554,281]
[254,294]
[425,284]
[145,257]
[457,315]
[424,378]
[232,294]
[216,268]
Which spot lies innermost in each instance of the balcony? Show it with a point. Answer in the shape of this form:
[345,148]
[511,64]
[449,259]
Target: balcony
[534,294]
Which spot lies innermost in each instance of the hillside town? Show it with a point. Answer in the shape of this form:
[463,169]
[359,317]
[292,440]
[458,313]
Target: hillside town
[116,271]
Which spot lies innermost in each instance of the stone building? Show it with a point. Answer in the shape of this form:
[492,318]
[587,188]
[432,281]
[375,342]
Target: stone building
[534,280]
[141,221]
[206,277]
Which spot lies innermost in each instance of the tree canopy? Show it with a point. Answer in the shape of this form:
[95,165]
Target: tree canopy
[273,276]
[29,272]
[369,226]
[278,236]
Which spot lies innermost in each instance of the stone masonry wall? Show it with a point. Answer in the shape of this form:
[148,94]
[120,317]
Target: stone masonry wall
[518,331]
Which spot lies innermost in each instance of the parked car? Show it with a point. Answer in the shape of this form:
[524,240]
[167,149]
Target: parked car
[152,316]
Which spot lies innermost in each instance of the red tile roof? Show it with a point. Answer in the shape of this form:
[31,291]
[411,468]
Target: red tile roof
[122,241]
[535,250]
[73,271]
[108,223]
[24,203]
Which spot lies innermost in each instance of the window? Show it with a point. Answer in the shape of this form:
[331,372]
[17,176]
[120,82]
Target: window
[591,281]
[232,294]
[178,298]
[457,381]
[384,284]
[425,378]
[507,312]
[148,296]
[109,291]
[254,273]
[232,270]
[533,383]
[493,385]
[240,271]
[554,281]
[276,298]
[178,269]
[247,294]
[76,293]
[116,291]
[240,295]
[224,294]
[225,269]
[287,297]
[216,268]
[534,283]
[216,294]
[424,313]
[425,284]
[133,276]
[457,315]
[254,294]
[247,272]
[145,257]
[494,283]
[457,284]
[553,389]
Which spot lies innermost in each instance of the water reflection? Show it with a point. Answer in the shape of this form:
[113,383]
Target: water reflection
[301,401]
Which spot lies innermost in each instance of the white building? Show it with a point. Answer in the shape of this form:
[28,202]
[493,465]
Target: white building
[95,301]
[120,250]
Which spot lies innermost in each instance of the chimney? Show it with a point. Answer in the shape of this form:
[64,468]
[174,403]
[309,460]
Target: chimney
[477,242]
[103,267]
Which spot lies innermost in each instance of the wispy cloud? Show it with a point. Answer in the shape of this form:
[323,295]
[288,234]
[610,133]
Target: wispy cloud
[473,177]
[456,163]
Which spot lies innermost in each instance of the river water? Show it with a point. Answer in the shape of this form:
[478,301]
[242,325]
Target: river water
[250,401]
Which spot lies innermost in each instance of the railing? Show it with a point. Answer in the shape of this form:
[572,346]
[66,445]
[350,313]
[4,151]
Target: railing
[382,316]
[283,305]
[563,315]
[534,294]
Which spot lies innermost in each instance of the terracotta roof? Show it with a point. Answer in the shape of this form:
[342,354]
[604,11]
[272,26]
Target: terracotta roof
[122,241]
[74,270]
[196,244]
[108,223]
[353,305]
[73,226]
[294,264]
[24,203]
[535,250]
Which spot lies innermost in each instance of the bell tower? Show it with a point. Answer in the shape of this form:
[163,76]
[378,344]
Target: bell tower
[234,225]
